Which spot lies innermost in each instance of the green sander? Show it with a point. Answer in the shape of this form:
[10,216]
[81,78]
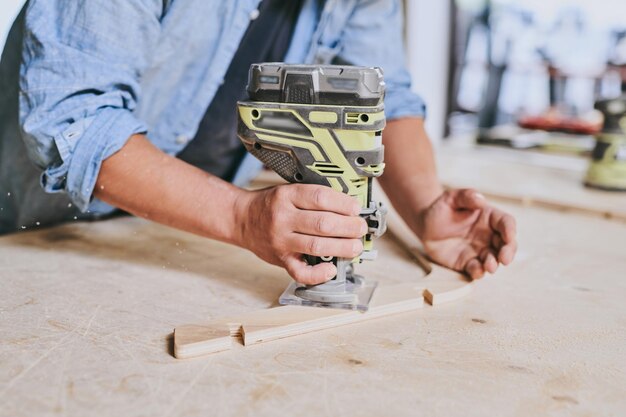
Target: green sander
[607,170]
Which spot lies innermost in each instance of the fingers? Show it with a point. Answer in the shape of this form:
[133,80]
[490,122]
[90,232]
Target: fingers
[503,239]
[504,224]
[467,199]
[325,246]
[507,253]
[306,274]
[496,241]
[477,264]
[489,260]
[474,269]
[469,262]
[320,198]
[330,224]
[313,220]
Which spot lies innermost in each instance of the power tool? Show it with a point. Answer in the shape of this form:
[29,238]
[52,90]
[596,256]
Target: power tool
[321,124]
[607,170]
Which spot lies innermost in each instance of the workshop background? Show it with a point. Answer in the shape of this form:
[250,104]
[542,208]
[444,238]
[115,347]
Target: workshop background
[88,309]
[497,67]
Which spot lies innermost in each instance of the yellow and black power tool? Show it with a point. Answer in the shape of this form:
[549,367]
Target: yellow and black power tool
[607,170]
[321,124]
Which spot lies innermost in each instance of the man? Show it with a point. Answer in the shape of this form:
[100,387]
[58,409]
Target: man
[131,104]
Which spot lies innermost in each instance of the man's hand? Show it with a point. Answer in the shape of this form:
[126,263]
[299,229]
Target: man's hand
[461,231]
[458,228]
[279,224]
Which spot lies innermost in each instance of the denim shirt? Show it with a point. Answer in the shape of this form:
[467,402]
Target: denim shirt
[94,73]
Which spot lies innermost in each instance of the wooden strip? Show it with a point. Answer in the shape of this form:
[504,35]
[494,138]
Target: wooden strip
[285,321]
[440,286]
[387,301]
[447,287]
[195,340]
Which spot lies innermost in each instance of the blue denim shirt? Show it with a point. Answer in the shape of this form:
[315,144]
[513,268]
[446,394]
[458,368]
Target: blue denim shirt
[94,73]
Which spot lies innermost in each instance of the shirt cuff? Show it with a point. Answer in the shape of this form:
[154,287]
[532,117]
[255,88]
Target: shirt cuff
[83,146]
[404,103]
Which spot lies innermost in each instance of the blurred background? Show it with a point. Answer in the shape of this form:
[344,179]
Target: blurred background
[524,74]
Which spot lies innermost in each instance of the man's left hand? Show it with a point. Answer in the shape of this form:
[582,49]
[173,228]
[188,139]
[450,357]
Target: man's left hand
[460,230]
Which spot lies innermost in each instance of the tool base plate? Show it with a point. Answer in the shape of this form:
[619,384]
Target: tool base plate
[363,294]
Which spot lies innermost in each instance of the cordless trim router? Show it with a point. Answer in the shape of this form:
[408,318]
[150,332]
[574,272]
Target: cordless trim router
[321,124]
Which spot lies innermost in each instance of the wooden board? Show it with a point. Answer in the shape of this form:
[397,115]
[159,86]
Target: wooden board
[87,309]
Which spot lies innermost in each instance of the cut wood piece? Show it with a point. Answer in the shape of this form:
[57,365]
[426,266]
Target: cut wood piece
[193,340]
[279,322]
[444,286]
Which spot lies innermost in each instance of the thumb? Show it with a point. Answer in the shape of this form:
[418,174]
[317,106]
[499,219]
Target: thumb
[467,199]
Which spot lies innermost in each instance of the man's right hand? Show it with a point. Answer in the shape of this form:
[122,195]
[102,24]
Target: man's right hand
[282,223]
[278,224]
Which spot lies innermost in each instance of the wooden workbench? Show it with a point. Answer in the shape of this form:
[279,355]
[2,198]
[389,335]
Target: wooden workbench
[87,311]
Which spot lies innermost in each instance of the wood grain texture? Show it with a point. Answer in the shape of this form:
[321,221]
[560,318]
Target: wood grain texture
[87,310]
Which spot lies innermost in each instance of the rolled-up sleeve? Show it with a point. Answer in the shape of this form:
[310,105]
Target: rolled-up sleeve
[373,36]
[79,84]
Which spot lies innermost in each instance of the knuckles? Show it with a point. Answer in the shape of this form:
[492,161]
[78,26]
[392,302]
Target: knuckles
[281,194]
[319,196]
[323,226]
[314,247]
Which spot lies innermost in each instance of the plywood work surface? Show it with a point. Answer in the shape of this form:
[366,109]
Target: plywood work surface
[87,311]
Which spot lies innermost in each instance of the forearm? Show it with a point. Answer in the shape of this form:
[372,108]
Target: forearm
[410,178]
[148,183]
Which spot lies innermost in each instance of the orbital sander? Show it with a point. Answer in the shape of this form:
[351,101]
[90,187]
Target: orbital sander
[607,169]
[321,124]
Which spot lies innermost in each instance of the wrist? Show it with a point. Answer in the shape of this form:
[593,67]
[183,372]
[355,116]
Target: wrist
[241,216]
[423,192]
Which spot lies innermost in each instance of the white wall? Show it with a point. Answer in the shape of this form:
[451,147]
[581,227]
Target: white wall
[428,39]
[8,11]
